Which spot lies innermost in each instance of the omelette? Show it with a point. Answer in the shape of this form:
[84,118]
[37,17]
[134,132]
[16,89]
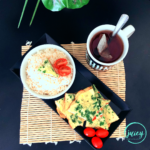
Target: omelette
[73,120]
[98,123]
[69,97]
[100,120]
[107,115]
[110,115]
[62,107]
[85,105]
[47,68]
[102,101]
[97,93]
[60,113]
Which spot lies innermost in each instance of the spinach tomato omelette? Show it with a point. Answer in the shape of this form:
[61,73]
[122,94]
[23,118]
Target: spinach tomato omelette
[86,105]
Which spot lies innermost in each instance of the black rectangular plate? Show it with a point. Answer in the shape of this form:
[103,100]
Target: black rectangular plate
[83,79]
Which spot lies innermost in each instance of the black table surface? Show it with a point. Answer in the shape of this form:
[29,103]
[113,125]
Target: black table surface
[64,27]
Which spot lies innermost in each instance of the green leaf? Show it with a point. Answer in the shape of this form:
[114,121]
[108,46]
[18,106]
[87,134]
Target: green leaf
[53,5]
[77,101]
[79,107]
[93,98]
[99,113]
[98,95]
[93,112]
[101,123]
[57,5]
[73,4]
[46,61]
[79,121]
[70,96]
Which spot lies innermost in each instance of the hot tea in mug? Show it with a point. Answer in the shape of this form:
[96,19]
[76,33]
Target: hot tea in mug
[114,48]
[117,47]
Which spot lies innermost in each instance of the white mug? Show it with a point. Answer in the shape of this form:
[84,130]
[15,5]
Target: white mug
[123,34]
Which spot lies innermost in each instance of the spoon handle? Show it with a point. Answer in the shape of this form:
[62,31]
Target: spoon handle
[123,19]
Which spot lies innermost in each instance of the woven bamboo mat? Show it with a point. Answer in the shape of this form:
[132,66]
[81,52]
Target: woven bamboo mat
[39,123]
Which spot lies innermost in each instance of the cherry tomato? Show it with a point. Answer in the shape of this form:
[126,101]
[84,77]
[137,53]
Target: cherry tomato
[60,62]
[102,133]
[89,132]
[64,70]
[97,142]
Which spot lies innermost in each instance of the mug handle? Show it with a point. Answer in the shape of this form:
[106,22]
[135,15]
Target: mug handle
[128,31]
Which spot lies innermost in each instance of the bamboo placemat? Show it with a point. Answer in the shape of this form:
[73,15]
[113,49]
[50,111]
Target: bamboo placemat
[39,123]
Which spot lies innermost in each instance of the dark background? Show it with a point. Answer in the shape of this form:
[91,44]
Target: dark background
[64,27]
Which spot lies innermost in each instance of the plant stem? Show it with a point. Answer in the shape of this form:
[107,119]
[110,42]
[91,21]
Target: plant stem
[67,3]
[25,4]
[37,4]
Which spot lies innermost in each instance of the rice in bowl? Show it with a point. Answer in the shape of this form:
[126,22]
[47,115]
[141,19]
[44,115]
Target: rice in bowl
[45,84]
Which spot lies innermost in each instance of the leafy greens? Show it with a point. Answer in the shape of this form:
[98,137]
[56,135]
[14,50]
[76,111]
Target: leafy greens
[57,5]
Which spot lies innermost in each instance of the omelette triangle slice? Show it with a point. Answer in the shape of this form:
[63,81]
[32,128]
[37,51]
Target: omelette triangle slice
[103,102]
[73,120]
[85,104]
[97,93]
[60,113]
[104,120]
[110,115]
[60,106]
[99,120]
[47,68]
[69,97]
[100,98]
[98,123]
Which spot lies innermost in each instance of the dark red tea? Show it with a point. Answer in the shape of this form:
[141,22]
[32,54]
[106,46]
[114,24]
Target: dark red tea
[115,47]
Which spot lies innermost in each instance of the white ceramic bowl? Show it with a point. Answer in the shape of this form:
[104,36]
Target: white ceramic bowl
[24,65]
